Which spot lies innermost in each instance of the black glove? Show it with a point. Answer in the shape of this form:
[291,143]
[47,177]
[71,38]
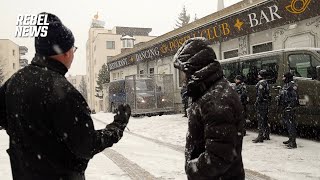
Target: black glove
[123,115]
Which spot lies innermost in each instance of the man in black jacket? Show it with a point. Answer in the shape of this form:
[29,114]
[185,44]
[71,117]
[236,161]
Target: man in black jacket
[48,121]
[215,127]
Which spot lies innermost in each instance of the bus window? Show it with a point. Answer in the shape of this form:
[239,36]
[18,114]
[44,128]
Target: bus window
[303,65]
[250,71]
[230,71]
[270,64]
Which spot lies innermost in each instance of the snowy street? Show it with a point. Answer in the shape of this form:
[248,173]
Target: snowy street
[152,148]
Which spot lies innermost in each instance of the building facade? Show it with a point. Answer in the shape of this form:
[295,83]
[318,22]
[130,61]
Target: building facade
[22,60]
[9,58]
[102,45]
[76,80]
[248,27]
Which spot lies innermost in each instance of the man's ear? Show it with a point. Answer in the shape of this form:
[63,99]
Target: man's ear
[67,54]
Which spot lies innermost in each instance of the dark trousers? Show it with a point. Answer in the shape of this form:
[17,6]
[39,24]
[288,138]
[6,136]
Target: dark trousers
[262,117]
[245,115]
[185,107]
[290,123]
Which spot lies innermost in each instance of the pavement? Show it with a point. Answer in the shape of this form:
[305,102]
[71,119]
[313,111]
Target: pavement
[135,157]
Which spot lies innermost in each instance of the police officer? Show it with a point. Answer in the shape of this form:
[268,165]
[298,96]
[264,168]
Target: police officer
[288,100]
[261,104]
[241,88]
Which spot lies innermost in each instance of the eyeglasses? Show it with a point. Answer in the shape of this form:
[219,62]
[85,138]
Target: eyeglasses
[75,49]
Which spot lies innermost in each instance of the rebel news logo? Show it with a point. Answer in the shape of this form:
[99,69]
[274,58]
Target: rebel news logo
[32,25]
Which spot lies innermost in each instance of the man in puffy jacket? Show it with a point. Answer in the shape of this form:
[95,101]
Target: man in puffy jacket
[214,138]
[48,121]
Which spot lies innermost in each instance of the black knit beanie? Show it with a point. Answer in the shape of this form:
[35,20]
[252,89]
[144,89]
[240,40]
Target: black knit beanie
[59,38]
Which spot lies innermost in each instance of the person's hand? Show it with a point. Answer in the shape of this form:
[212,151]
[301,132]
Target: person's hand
[123,114]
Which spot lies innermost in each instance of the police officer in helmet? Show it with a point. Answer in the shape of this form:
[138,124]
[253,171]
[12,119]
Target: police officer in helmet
[261,105]
[288,100]
[241,88]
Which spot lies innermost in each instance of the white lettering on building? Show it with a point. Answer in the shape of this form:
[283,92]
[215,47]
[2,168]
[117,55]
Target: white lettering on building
[148,54]
[265,17]
[118,64]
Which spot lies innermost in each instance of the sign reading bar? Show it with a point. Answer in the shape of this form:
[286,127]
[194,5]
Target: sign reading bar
[267,15]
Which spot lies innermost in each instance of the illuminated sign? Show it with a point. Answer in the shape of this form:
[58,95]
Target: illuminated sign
[266,15]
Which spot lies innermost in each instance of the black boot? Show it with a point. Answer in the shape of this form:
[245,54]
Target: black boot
[292,145]
[286,142]
[259,139]
[266,137]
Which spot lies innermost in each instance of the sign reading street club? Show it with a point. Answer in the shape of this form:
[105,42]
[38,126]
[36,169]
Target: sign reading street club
[267,15]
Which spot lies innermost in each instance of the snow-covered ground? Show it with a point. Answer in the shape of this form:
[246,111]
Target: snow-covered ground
[153,148]
[270,158]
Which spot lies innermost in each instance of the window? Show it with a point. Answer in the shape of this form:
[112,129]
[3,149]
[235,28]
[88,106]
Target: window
[262,48]
[303,65]
[14,65]
[121,75]
[250,69]
[110,45]
[151,71]
[230,71]
[114,75]
[230,54]
[141,72]
[13,52]
[95,47]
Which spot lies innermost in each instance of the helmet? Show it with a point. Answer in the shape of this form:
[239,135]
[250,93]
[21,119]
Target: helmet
[239,77]
[263,73]
[194,55]
[288,76]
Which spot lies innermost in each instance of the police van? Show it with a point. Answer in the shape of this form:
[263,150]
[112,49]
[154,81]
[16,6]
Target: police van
[304,63]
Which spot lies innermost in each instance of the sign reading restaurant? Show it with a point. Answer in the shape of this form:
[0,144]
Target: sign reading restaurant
[267,15]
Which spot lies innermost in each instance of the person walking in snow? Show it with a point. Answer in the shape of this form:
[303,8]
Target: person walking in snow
[214,138]
[48,121]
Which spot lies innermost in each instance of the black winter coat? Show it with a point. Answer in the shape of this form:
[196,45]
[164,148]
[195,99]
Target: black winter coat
[214,138]
[51,132]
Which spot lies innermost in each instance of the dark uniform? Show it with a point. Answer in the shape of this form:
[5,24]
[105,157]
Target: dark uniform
[241,89]
[261,104]
[288,100]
